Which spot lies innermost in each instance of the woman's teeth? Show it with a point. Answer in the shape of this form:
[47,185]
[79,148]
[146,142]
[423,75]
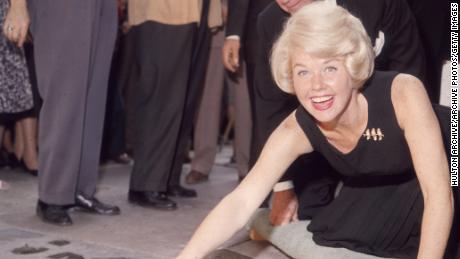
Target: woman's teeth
[321,99]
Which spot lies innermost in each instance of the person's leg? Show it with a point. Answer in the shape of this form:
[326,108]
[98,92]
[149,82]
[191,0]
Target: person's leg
[102,44]
[208,119]
[28,128]
[3,184]
[243,123]
[115,130]
[125,81]
[7,143]
[163,56]
[3,155]
[63,33]
[113,141]
[70,125]
[253,151]
[7,140]
[200,55]
[294,239]
[2,130]
[18,141]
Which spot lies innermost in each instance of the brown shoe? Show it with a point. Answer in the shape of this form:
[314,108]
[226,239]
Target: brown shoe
[195,177]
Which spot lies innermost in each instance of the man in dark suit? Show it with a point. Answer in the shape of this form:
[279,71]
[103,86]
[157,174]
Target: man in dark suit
[393,32]
[433,20]
[242,31]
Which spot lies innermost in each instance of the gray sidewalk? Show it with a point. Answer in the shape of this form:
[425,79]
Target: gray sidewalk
[136,233]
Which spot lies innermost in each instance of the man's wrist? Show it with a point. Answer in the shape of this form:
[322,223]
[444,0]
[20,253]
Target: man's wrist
[283,186]
[232,37]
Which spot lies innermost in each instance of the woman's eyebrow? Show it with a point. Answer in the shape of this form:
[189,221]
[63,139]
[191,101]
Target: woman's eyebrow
[330,60]
[299,65]
[324,62]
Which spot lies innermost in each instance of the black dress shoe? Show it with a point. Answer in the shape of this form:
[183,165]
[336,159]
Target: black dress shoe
[155,200]
[3,158]
[12,161]
[93,205]
[179,191]
[53,214]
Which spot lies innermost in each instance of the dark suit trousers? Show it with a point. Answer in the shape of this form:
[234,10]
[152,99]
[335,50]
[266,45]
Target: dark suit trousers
[113,141]
[163,56]
[253,152]
[73,42]
[200,56]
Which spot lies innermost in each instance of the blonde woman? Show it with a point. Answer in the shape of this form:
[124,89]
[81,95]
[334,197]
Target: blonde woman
[377,128]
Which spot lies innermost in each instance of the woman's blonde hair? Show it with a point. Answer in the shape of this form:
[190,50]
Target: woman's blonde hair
[325,30]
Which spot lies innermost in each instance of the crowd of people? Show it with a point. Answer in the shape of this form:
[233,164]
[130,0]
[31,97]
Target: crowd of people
[334,101]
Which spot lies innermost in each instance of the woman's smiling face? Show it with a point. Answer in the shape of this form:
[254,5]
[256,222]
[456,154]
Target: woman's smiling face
[323,85]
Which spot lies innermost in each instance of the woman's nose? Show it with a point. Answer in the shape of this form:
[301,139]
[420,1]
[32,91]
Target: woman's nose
[317,81]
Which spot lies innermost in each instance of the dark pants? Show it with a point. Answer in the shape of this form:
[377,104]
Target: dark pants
[125,78]
[163,55]
[113,141]
[73,42]
[253,153]
[200,55]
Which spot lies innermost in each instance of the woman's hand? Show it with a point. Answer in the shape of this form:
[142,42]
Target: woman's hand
[17,22]
[285,144]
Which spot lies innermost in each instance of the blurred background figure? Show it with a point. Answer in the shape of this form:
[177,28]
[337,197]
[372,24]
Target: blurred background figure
[432,18]
[207,122]
[241,49]
[113,141]
[17,114]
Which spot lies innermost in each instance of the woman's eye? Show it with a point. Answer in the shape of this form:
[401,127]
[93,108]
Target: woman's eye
[302,73]
[331,69]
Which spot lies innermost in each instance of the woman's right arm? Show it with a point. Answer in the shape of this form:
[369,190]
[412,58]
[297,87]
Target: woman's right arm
[285,144]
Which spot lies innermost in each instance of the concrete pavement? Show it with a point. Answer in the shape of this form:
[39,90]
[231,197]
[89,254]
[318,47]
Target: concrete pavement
[136,233]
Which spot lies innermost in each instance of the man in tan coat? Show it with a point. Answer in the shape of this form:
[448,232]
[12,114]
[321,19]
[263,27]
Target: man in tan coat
[164,32]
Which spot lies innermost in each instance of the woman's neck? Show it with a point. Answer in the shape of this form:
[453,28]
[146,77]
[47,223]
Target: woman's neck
[352,119]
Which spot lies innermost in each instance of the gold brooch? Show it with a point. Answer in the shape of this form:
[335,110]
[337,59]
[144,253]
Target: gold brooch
[375,134]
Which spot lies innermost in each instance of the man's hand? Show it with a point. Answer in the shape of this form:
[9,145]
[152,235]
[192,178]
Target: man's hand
[230,54]
[125,27]
[17,22]
[284,207]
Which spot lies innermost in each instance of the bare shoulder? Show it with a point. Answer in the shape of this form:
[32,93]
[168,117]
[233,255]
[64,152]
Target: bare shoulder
[406,86]
[409,97]
[291,134]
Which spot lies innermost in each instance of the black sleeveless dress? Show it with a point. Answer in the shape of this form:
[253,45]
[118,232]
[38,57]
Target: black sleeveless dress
[379,209]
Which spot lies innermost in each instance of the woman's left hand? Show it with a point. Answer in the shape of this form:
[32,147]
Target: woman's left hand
[17,22]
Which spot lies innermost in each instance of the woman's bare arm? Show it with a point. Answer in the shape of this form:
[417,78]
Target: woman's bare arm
[285,144]
[422,132]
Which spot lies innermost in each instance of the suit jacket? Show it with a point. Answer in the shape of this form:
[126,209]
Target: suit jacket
[242,21]
[173,12]
[433,19]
